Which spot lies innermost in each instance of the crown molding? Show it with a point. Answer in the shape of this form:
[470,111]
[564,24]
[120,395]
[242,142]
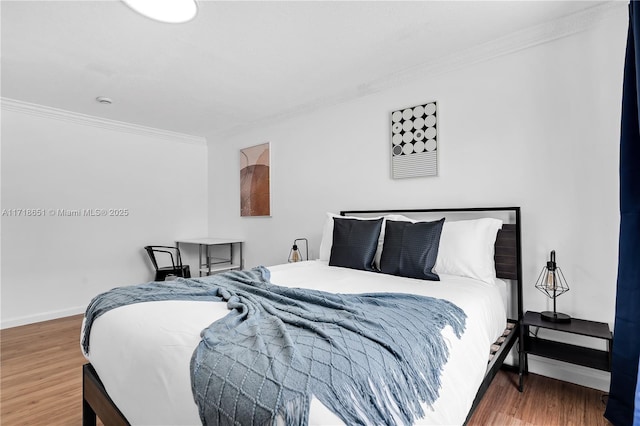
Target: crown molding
[511,43]
[506,45]
[43,111]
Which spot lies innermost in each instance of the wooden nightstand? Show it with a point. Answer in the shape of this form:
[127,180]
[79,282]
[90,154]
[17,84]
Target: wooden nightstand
[579,355]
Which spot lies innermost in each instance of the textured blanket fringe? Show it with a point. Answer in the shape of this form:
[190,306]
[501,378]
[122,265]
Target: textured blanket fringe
[294,412]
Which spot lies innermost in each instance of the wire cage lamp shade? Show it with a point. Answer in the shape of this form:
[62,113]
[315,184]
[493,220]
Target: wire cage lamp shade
[294,253]
[552,282]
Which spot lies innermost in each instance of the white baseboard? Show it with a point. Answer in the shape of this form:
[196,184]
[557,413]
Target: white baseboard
[571,373]
[583,376]
[46,316]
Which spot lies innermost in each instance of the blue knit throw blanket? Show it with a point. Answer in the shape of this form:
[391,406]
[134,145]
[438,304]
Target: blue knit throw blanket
[370,358]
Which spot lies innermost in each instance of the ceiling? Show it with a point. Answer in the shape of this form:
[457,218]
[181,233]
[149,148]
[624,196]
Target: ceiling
[238,63]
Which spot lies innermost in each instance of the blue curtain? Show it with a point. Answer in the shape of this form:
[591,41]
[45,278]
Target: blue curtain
[636,417]
[626,336]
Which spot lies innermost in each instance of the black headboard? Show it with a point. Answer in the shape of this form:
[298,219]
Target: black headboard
[506,252]
[508,249]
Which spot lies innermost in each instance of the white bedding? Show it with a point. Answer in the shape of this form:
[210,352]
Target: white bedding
[141,352]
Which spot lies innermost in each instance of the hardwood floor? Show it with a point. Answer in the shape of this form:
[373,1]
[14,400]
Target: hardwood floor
[41,384]
[40,378]
[544,401]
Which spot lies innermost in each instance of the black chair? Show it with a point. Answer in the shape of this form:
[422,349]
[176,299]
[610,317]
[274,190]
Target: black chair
[176,269]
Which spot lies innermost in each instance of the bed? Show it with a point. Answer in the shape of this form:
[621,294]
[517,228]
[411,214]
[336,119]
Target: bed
[155,389]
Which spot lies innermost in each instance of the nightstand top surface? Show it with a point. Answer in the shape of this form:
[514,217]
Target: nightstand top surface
[210,241]
[576,326]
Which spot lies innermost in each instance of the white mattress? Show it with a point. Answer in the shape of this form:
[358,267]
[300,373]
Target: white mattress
[141,352]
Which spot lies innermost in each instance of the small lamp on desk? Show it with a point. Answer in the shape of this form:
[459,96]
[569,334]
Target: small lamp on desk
[551,282]
[294,254]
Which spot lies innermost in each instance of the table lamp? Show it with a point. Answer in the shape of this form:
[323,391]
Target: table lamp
[552,282]
[294,253]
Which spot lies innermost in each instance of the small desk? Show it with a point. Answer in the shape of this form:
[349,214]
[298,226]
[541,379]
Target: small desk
[211,265]
[587,357]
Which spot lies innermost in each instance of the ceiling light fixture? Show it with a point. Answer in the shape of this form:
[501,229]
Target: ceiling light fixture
[171,11]
[104,100]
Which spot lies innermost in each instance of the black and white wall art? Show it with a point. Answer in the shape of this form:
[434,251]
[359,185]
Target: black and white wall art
[414,141]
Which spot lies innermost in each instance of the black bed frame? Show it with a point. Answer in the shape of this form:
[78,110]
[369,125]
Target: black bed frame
[508,259]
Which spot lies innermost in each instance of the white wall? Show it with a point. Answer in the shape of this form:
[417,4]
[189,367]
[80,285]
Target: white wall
[52,265]
[538,128]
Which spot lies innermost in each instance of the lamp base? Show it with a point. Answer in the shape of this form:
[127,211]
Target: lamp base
[554,316]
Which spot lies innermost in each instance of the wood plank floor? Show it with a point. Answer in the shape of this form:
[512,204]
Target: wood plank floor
[41,384]
[544,401]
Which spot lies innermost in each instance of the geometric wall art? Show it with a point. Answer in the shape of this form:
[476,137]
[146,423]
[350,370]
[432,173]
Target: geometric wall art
[414,141]
[255,180]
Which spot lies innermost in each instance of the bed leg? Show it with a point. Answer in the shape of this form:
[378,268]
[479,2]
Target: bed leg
[88,415]
[523,367]
[96,402]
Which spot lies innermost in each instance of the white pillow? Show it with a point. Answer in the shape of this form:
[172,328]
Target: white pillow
[467,249]
[327,235]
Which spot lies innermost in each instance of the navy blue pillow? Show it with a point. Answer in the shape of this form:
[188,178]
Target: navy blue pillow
[410,249]
[354,243]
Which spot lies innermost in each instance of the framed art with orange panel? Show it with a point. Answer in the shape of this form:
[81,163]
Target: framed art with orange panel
[255,181]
